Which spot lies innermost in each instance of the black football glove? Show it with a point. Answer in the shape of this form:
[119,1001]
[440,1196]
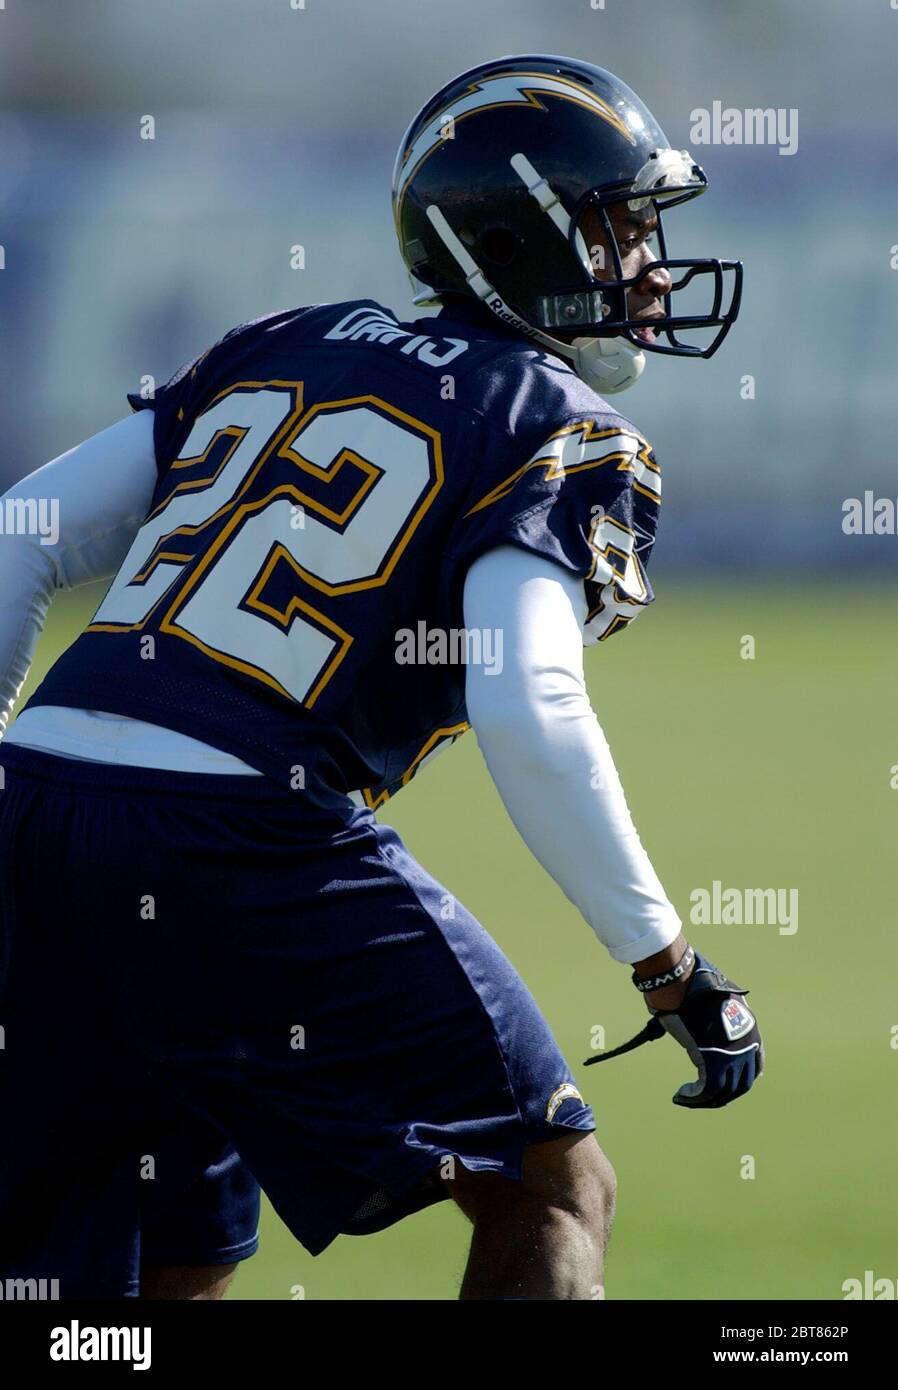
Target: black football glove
[718,1032]
[720,1035]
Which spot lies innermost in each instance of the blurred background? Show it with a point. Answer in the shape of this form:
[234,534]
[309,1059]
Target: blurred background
[277,126]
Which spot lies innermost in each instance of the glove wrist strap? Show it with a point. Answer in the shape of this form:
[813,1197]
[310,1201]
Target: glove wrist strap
[671,976]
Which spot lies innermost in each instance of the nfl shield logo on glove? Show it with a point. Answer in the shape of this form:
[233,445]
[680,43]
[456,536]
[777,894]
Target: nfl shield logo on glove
[736,1019]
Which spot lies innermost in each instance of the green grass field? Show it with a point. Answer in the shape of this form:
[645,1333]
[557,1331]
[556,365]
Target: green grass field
[766,773]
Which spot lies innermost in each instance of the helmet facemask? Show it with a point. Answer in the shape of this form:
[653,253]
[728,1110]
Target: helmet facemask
[601,304]
[591,323]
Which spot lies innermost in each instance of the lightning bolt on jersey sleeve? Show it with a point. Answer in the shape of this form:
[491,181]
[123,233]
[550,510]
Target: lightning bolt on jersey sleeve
[548,756]
[68,523]
[588,500]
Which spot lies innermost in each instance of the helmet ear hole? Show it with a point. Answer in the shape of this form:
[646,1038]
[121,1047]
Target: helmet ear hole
[499,245]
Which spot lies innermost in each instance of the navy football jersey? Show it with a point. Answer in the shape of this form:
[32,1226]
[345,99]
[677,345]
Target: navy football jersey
[326,477]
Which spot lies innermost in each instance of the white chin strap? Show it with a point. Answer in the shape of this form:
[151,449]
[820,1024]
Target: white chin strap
[606,364]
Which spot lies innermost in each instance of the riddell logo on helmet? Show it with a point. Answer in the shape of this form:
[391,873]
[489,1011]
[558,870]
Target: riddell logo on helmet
[502,311]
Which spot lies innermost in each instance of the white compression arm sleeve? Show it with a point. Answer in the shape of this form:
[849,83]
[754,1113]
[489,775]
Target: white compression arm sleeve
[68,523]
[548,755]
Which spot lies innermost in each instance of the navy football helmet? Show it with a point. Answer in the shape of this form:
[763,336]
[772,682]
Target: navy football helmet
[492,185]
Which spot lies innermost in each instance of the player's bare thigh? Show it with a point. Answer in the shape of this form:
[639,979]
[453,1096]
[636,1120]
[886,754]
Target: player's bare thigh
[207,1283]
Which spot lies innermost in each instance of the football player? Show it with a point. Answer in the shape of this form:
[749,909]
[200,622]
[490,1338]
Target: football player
[338,541]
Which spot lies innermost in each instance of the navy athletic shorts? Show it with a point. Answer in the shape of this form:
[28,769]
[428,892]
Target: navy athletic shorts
[196,966]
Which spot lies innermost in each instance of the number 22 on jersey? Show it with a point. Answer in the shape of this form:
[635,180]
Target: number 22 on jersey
[278,511]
